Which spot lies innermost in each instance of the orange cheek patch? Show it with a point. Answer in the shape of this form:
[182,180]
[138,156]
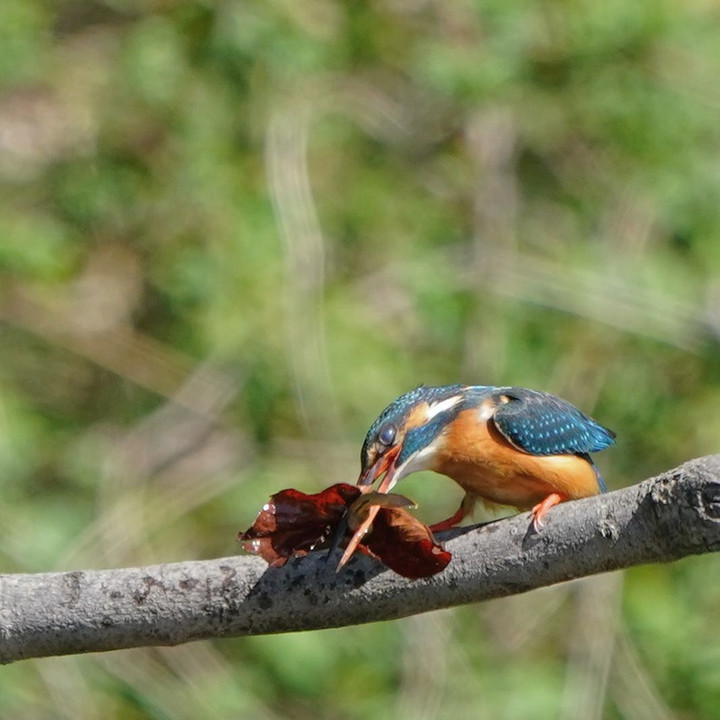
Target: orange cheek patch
[417,417]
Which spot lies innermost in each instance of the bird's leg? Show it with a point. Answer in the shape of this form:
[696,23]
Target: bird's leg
[540,510]
[450,522]
[466,507]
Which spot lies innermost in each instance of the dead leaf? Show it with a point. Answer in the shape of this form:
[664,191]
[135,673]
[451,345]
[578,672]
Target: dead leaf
[294,523]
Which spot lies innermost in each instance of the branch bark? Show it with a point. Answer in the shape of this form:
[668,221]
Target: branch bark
[661,519]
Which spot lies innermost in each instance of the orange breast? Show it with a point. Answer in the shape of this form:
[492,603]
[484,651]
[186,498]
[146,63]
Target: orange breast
[483,463]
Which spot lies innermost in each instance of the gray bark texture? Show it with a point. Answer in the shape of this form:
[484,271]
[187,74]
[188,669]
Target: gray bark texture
[661,519]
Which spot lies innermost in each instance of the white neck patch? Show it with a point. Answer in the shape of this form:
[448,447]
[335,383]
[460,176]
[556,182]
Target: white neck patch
[486,410]
[442,405]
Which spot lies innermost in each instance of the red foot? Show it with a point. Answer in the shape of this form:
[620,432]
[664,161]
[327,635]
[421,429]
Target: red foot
[460,514]
[540,510]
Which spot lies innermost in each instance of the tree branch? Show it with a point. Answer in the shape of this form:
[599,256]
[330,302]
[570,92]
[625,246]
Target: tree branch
[661,519]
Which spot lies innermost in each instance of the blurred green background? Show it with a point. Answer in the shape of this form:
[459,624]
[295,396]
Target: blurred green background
[232,232]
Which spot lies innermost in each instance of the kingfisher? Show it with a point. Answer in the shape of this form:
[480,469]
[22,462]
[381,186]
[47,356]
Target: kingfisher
[503,445]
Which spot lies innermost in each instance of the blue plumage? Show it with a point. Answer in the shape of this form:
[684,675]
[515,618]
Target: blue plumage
[543,424]
[420,437]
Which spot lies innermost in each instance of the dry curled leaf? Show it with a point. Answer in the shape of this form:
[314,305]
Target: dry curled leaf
[404,544]
[293,523]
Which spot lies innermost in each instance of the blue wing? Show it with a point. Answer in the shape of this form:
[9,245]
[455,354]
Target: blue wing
[543,424]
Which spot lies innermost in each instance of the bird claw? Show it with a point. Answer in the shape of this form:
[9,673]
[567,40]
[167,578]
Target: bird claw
[540,510]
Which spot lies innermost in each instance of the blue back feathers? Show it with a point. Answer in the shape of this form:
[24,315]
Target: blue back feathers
[543,424]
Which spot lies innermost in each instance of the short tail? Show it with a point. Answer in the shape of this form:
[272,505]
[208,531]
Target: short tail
[601,482]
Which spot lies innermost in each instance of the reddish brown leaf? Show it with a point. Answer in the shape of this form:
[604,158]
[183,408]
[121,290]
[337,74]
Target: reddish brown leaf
[405,544]
[293,523]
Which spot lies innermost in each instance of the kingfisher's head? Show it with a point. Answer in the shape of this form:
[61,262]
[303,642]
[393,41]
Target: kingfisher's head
[407,434]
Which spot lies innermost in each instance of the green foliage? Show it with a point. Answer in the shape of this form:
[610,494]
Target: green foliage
[231,232]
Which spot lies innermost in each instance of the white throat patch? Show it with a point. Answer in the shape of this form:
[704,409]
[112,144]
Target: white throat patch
[422,460]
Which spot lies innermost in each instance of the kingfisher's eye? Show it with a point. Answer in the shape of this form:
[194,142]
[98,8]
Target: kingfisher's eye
[387,434]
